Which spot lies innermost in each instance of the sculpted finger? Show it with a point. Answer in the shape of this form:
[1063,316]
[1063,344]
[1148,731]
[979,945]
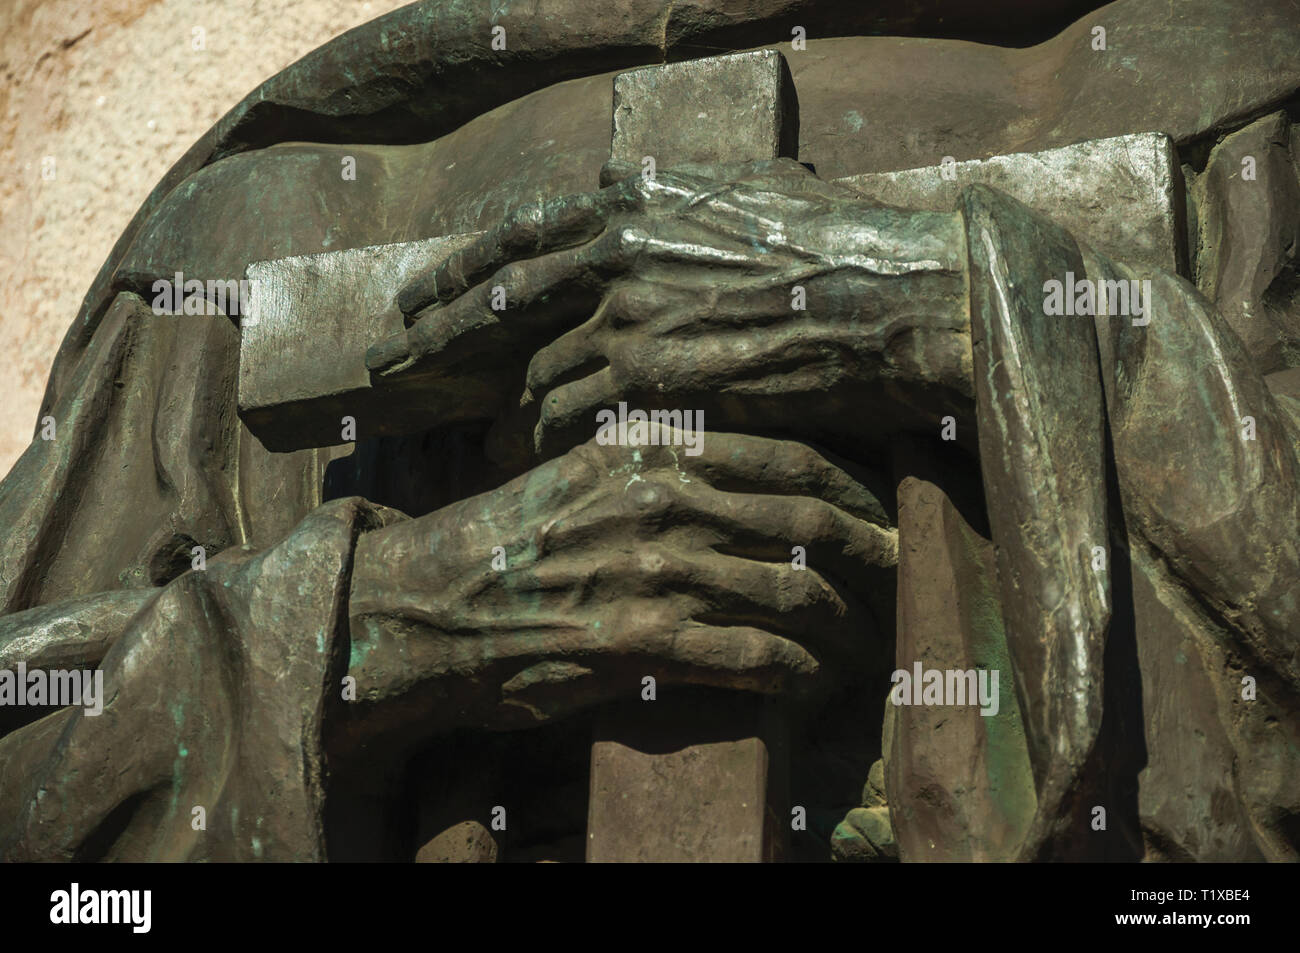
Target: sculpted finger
[552,664]
[521,303]
[684,653]
[567,417]
[883,379]
[580,352]
[739,380]
[706,586]
[574,355]
[694,653]
[662,534]
[795,519]
[735,463]
[805,531]
[803,605]
[742,463]
[526,233]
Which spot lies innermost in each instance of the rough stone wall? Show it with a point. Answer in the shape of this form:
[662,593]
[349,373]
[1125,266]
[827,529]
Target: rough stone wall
[97,100]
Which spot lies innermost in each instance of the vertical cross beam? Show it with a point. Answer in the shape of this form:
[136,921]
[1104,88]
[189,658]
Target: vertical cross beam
[697,778]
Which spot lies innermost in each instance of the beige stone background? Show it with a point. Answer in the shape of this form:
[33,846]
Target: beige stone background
[115,92]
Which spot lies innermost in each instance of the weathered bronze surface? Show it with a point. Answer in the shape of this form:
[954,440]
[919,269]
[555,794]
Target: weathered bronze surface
[369,578]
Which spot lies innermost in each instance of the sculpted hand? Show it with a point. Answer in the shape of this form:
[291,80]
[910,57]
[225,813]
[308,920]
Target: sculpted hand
[618,563]
[683,292]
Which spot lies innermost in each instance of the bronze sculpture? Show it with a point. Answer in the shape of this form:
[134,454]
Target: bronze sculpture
[227,685]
